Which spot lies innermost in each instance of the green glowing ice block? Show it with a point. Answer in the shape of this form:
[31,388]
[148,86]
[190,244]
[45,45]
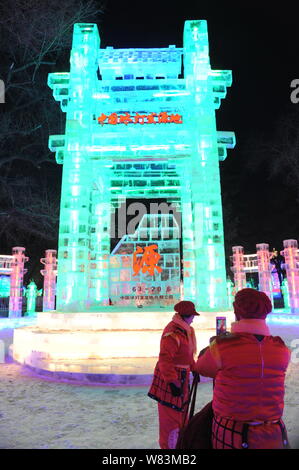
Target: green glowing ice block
[137,128]
[4,286]
[31,294]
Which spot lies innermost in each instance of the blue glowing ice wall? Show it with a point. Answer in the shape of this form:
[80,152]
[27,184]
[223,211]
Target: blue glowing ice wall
[137,128]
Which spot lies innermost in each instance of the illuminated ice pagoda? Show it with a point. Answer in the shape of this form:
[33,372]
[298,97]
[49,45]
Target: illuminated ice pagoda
[140,126]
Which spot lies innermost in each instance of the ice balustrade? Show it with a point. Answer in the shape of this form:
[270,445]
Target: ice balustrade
[11,282]
[260,262]
[5,271]
[6,264]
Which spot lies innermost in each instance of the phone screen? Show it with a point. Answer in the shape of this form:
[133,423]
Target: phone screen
[220,325]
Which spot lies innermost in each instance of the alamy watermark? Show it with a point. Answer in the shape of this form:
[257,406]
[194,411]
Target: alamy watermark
[138,216]
[294,345]
[2,92]
[295,93]
[2,351]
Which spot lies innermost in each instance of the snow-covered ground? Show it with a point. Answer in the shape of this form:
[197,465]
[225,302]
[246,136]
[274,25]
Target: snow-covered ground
[41,414]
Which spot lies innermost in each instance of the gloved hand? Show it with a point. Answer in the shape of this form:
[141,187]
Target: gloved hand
[176,391]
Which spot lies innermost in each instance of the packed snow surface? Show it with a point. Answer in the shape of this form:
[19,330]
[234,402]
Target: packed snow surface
[37,413]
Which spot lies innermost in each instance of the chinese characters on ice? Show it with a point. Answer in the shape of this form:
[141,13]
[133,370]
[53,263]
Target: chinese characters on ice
[152,118]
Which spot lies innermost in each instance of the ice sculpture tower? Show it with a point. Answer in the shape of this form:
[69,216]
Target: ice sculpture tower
[139,128]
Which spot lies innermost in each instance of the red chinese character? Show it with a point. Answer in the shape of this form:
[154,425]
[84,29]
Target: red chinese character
[102,118]
[125,119]
[148,261]
[137,260]
[176,118]
[151,118]
[163,117]
[113,118]
[139,118]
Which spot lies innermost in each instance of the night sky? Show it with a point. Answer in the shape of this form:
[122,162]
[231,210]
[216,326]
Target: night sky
[261,47]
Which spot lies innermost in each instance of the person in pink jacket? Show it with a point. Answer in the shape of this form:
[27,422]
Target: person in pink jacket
[248,366]
[170,385]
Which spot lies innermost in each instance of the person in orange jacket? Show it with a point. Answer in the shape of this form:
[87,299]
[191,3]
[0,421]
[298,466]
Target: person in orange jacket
[248,366]
[170,386]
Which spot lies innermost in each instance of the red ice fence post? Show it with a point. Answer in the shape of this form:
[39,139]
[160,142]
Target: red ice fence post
[49,273]
[238,268]
[290,253]
[264,269]
[16,282]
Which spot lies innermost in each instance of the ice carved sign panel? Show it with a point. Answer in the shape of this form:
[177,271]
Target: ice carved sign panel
[147,271]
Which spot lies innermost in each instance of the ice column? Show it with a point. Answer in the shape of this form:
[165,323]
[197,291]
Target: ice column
[49,273]
[238,268]
[207,221]
[74,228]
[16,281]
[290,254]
[230,289]
[264,269]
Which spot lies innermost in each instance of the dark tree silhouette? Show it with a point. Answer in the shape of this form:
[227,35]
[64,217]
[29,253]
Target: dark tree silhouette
[35,39]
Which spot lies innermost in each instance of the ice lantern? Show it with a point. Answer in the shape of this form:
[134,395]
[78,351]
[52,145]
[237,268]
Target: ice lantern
[16,281]
[290,253]
[137,129]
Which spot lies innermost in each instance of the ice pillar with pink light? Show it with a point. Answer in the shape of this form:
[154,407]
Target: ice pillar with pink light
[49,273]
[290,254]
[264,269]
[238,268]
[16,281]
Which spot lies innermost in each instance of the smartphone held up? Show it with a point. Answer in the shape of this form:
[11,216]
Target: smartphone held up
[220,325]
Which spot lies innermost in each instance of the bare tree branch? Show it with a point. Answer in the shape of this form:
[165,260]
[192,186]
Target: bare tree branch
[35,39]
